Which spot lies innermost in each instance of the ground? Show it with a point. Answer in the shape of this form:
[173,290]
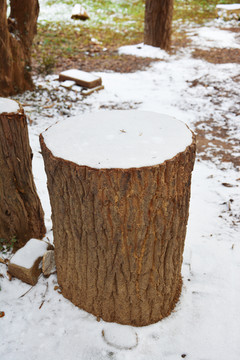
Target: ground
[198,82]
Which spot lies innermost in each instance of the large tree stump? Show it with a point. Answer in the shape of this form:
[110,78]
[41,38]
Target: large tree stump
[21,213]
[119,190]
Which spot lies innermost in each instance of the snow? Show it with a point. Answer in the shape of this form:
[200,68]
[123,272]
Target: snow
[27,255]
[78,10]
[68,84]
[228,6]
[120,336]
[118,139]
[8,106]
[144,50]
[79,75]
[208,36]
[205,323]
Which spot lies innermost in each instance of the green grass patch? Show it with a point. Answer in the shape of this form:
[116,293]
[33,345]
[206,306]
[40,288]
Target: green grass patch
[197,11]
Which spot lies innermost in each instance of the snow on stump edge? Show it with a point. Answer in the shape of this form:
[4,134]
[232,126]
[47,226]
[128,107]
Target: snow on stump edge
[21,213]
[26,262]
[119,229]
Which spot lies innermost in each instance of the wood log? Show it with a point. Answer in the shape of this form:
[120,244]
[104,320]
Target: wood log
[119,230]
[21,213]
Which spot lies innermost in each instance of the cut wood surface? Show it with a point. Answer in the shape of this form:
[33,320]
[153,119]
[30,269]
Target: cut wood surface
[81,78]
[119,232]
[21,213]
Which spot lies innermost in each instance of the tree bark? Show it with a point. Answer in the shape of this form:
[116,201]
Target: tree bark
[119,235]
[21,213]
[16,36]
[158,23]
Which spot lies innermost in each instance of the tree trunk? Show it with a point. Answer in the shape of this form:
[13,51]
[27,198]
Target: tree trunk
[158,23]
[21,213]
[16,36]
[119,235]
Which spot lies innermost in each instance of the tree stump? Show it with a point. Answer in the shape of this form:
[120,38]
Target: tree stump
[119,191]
[21,213]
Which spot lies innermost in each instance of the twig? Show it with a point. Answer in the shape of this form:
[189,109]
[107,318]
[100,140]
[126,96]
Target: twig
[26,292]
[44,296]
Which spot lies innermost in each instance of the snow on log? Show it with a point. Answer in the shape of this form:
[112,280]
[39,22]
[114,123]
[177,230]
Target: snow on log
[79,13]
[21,213]
[25,263]
[119,191]
[81,78]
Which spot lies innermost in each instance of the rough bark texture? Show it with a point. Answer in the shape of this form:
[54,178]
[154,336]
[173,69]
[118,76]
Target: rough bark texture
[16,36]
[119,235]
[158,23]
[21,213]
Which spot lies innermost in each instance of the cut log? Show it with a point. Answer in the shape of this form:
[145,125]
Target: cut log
[25,263]
[119,192]
[79,13]
[81,78]
[21,213]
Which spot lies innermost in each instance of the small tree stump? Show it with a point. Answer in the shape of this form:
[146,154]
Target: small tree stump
[119,191]
[21,213]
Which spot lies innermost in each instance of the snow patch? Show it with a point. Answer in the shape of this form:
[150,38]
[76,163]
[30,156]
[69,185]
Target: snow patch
[143,50]
[206,37]
[27,255]
[118,139]
[228,6]
[8,106]
[121,337]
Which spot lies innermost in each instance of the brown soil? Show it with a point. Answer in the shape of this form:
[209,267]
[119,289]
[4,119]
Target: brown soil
[214,142]
[109,62]
[218,56]
[96,59]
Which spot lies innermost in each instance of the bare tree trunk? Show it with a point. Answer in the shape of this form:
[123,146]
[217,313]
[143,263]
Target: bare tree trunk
[21,213]
[158,23]
[16,36]
[119,235]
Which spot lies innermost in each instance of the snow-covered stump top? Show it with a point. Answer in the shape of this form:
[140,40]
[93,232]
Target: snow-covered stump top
[119,186]
[9,106]
[118,139]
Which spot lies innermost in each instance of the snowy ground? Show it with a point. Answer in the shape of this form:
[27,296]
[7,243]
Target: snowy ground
[205,323]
